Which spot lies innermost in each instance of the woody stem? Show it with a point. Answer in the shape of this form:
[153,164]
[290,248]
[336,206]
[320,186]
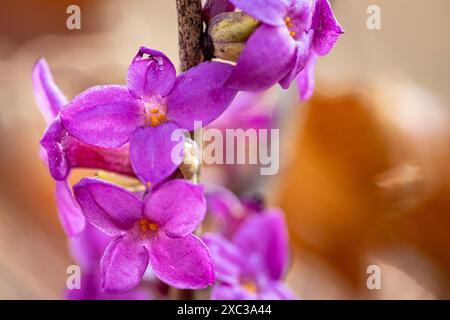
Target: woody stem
[190,29]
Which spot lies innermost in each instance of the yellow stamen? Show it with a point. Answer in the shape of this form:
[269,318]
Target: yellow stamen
[154,110]
[154,121]
[250,287]
[162,117]
[145,227]
[292,33]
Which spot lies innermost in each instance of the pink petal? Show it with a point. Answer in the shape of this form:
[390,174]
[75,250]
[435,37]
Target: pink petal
[184,263]
[302,53]
[278,291]
[150,74]
[177,206]
[268,56]
[52,142]
[306,79]
[200,95]
[70,215]
[87,248]
[267,254]
[123,265]
[271,12]
[103,116]
[327,28]
[214,7]
[109,207]
[151,152]
[233,292]
[227,258]
[49,97]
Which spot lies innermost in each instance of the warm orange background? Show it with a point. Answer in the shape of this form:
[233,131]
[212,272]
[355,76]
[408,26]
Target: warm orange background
[365,177]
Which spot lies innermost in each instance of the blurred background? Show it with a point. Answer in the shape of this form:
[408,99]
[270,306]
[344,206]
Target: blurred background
[364,180]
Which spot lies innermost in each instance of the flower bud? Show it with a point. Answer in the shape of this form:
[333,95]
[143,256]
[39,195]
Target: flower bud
[191,162]
[228,32]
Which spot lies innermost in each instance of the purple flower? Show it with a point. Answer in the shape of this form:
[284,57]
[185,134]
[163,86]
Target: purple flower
[252,264]
[155,231]
[63,151]
[87,248]
[227,211]
[146,112]
[280,48]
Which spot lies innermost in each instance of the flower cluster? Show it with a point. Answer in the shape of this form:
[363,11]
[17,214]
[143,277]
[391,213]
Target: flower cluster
[290,35]
[121,234]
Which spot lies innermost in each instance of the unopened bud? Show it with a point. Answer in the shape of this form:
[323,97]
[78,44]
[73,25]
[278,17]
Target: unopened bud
[228,32]
[191,161]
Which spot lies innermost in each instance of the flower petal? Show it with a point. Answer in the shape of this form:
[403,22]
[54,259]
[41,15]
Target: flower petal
[107,206]
[151,152]
[278,291]
[200,95]
[52,142]
[306,79]
[268,254]
[226,258]
[268,56]
[123,265]
[83,155]
[103,116]
[302,53]
[49,97]
[214,7]
[87,247]
[150,74]
[327,28]
[184,263]
[271,12]
[177,206]
[70,215]
[234,292]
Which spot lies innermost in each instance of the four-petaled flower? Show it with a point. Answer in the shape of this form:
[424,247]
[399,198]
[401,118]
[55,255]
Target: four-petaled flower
[149,109]
[155,231]
[252,264]
[62,150]
[291,33]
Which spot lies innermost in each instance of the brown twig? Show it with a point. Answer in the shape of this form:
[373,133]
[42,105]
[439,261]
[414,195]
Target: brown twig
[190,29]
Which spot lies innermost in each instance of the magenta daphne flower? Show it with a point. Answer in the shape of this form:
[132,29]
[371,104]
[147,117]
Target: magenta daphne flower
[147,111]
[280,48]
[155,231]
[252,264]
[63,151]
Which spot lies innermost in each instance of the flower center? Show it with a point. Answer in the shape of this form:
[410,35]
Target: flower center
[249,286]
[154,114]
[147,228]
[290,26]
